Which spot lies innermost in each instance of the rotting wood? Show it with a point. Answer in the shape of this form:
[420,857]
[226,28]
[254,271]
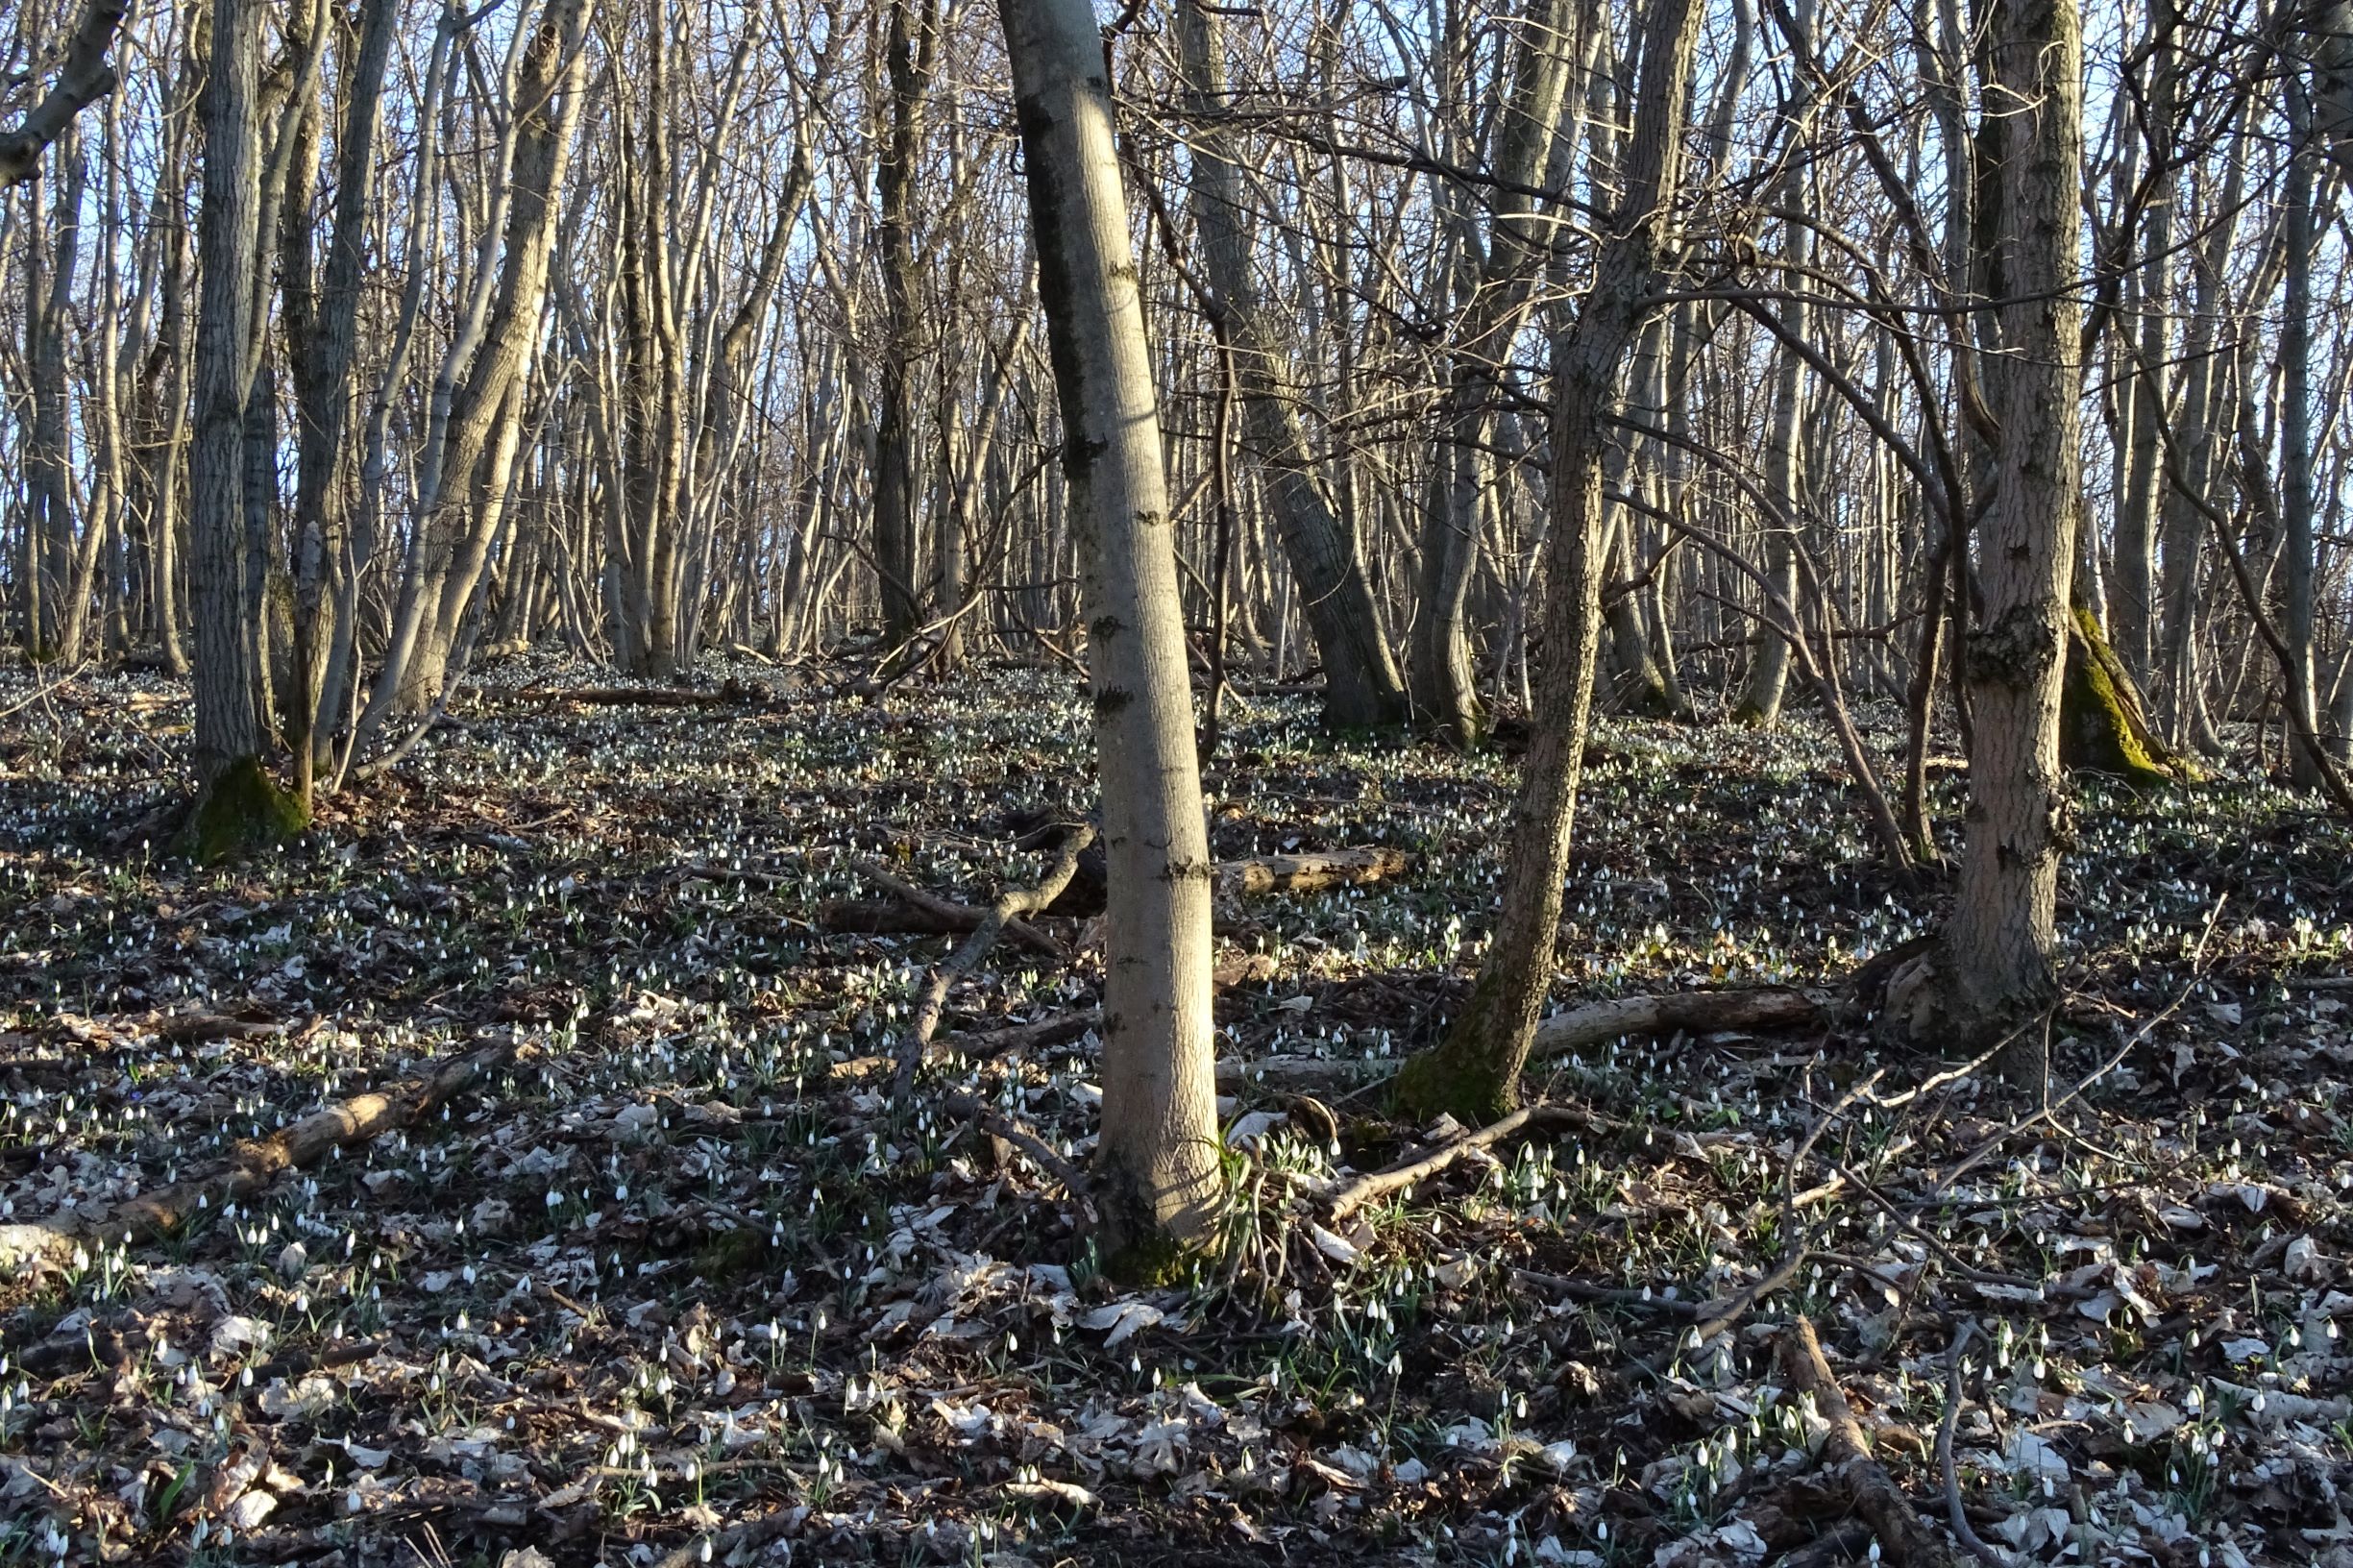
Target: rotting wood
[1694,1012]
[1905,1537]
[1309,874]
[733,694]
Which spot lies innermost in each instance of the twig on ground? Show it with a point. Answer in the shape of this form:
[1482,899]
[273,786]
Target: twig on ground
[971,1108]
[1953,1511]
[1379,1183]
[1906,1540]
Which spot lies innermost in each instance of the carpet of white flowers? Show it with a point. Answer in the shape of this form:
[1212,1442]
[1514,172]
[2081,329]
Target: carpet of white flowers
[685,1282]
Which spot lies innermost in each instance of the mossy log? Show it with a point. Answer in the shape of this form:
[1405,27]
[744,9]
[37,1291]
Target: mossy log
[2103,728]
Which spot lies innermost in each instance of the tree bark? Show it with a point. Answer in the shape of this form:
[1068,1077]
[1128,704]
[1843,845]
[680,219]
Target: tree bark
[1362,684]
[1475,1072]
[1994,966]
[1158,1158]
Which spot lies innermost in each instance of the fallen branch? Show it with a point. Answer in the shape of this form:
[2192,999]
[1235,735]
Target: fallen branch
[971,1108]
[1721,1313]
[918,909]
[1953,1511]
[253,1166]
[360,1119]
[1053,1030]
[911,910]
[1693,1011]
[1010,906]
[1307,874]
[1380,1183]
[1906,1541]
[730,693]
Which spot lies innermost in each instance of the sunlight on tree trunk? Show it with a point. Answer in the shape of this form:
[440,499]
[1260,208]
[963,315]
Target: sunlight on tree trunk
[1994,968]
[1475,1073]
[1158,1161]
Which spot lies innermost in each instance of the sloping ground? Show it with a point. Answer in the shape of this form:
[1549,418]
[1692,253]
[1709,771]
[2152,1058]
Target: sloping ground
[680,1278]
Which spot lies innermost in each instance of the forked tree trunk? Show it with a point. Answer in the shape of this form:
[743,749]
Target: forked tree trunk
[1158,1160]
[1475,1073]
[1993,965]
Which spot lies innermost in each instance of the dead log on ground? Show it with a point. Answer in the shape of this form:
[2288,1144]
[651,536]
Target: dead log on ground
[1309,874]
[1692,1011]
[253,1166]
[1905,1537]
[732,694]
[917,910]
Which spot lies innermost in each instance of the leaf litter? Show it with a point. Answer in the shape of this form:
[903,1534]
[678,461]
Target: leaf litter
[683,1282]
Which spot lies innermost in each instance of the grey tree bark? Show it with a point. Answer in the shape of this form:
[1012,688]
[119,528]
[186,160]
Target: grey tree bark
[1158,1156]
[1995,963]
[1475,1072]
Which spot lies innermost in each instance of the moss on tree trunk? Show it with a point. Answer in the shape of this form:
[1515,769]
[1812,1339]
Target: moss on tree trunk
[241,810]
[2103,727]
[1474,1074]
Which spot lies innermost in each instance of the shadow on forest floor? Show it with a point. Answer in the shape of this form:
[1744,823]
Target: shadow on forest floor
[683,1277]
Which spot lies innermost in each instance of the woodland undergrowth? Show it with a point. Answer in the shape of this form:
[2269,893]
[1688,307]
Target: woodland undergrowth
[686,1282]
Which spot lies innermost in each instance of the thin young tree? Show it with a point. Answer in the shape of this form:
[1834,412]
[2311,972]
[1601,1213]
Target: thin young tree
[1474,1074]
[1157,1158]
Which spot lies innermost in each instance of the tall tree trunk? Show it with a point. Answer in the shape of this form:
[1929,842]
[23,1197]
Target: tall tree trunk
[2300,237]
[1362,684]
[239,804]
[1475,1072]
[907,58]
[1157,1158]
[1444,690]
[1786,467]
[1994,965]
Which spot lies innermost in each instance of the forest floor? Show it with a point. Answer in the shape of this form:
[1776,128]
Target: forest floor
[682,1281]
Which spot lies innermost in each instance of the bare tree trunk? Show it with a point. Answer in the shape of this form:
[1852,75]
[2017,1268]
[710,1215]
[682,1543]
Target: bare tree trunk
[1445,691]
[2147,394]
[323,342]
[908,54]
[1994,965]
[2301,238]
[1475,1072]
[1362,685]
[1158,1160]
[239,804]
[51,255]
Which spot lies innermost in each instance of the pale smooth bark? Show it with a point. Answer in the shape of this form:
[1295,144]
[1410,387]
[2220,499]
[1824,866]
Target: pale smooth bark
[1157,1162]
